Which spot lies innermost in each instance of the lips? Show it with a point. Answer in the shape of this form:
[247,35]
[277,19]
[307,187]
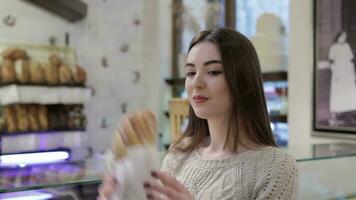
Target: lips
[199,98]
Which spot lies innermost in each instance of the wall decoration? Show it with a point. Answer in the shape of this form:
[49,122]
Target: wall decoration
[334,67]
[190,17]
[103,123]
[124,48]
[137,76]
[123,107]
[52,40]
[137,22]
[9,20]
[104,62]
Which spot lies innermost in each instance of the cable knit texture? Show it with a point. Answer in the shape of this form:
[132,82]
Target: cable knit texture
[265,173]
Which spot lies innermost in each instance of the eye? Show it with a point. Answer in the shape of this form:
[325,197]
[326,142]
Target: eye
[190,74]
[215,73]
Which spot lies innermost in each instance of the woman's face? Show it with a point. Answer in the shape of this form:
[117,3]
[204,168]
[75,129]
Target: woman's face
[205,82]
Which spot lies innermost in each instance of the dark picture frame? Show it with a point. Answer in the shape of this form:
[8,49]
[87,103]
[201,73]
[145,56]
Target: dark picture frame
[334,95]
[183,18]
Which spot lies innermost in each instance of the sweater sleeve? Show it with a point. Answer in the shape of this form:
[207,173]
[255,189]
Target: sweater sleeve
[278,178]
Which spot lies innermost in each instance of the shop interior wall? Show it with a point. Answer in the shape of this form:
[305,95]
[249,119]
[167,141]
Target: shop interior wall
[300,77]
[125,33]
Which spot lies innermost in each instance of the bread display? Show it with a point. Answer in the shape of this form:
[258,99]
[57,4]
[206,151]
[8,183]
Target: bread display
[55,60]
[10,118]
[22,69]
[8,74]
[76,118]
[14,54]
[22,120]
[139,128]
[64,75]
[79,75]
[36,73]
[51,73]
[43,117]
[2,120]
[33,117]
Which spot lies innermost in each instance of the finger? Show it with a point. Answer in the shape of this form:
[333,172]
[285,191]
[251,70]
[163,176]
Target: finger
[168,180]
[153,195]
[107,188]
[157,190]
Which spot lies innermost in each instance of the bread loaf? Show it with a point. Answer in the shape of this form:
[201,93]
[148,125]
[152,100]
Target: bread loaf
[138,128]
[22,69]
[8,74]
[65,76]
[36,73]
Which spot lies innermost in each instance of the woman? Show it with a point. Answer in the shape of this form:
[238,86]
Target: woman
[343,79]
[228,150]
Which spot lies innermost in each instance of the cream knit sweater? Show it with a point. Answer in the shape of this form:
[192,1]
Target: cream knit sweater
[265,173]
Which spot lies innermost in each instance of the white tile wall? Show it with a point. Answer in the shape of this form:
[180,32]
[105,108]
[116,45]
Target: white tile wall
[108,25]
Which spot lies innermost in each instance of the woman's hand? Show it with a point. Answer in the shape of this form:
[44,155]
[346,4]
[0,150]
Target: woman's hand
[168,189]
[107,187]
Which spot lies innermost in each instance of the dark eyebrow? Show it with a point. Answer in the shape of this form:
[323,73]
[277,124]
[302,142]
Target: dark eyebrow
[205,64]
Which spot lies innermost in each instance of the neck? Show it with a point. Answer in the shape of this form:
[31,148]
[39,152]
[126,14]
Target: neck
[215,146]
[218,132]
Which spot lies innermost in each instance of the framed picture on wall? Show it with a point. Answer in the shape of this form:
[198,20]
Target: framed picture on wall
[189,18]
[334,66]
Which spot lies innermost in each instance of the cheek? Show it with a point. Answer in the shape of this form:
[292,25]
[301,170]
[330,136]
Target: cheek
[188,87]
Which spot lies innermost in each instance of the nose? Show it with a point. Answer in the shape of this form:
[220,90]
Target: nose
[198,81]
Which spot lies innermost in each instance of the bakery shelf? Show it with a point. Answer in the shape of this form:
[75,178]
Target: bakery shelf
[12,94]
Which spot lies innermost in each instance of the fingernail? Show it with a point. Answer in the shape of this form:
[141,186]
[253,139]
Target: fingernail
[154,174]
[146,185]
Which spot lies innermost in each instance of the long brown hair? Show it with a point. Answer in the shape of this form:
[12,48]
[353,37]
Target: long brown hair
[243,76]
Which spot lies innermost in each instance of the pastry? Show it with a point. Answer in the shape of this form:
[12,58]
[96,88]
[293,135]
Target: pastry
[64,75]
[10,118]
[51,74]
[8,74]
[22,70]
[55,60]
[36,73]
[139,128]
[22,120]
[43,117]
[32,117]
[2,120]
[20,54]
[14,54]
[79,75]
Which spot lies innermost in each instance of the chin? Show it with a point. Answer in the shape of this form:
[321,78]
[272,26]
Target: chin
[202,113]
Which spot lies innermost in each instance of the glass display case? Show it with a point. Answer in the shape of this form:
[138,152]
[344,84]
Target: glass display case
[327,171]
[64,180]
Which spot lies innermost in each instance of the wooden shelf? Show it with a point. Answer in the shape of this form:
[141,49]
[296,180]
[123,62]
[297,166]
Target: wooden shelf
[275,76]
[175,81]
[269,76]
[278,118]
[71,10]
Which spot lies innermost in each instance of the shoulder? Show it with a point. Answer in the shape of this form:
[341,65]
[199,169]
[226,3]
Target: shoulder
[175,158]
[277,175]
[273,161]
[173,161]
